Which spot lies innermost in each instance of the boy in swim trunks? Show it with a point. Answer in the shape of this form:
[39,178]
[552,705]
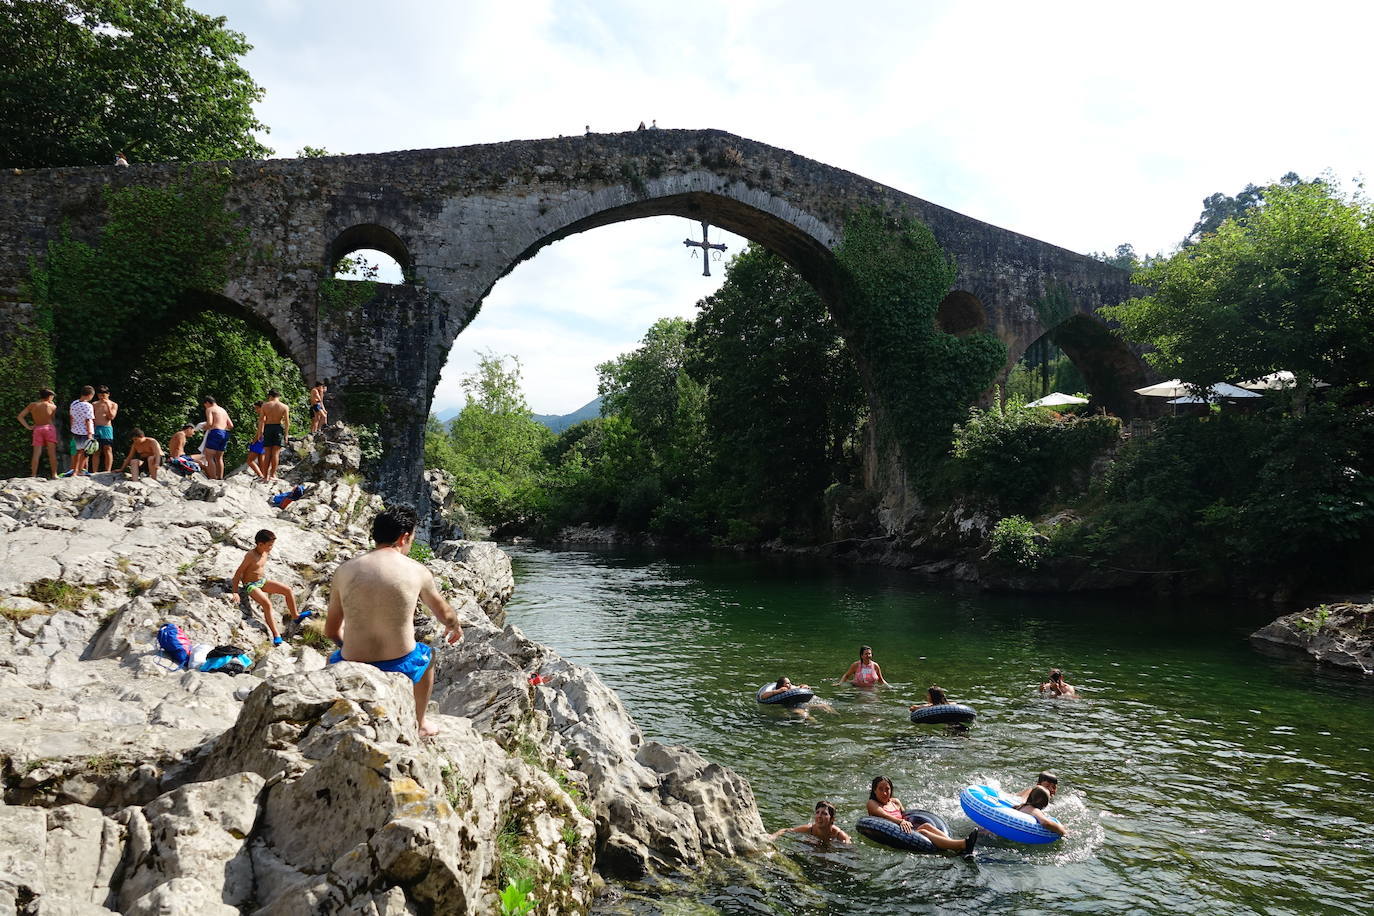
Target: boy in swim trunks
[82,427]
[105,411]
[274,422]
[252,577]
[145,453]
[39,416]
[372,608]
[217,426]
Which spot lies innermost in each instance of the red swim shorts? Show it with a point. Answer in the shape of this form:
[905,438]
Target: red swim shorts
[45,434]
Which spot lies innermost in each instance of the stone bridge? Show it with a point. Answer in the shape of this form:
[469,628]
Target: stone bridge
[457,220]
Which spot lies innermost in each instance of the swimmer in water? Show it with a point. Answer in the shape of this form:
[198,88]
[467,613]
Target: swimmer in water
[881,804]
[822,825]
[865,672]
[1056,686]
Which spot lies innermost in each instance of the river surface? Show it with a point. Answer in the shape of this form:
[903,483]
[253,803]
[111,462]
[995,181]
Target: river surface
[1196,774]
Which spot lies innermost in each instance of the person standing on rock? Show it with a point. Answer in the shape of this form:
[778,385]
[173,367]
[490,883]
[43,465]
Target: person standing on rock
[372,608]
[105,411]
[318,415]
[37,419]
[83,428]
[251,576]
[217,426]
[274,422]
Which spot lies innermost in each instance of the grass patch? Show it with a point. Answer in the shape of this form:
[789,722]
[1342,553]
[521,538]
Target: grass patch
[139,586]
[511,862]
[123,563]
[56,593]
[17,614]
[572,838]
[185,567]
[351,478]
[316,640]
[456,789]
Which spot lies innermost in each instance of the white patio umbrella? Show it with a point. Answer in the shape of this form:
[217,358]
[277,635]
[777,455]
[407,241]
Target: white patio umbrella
[1055,399]
[1218,392]
[1276,381]
[1175,388]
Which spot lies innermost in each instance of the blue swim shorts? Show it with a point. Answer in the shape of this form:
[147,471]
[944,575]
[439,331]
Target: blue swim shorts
[256,447]
[104,433]
[216,440]
[412,666]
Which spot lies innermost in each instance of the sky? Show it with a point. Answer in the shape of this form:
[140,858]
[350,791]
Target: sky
[1081,124]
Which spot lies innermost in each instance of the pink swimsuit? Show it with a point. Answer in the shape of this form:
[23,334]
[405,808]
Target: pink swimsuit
[866,676]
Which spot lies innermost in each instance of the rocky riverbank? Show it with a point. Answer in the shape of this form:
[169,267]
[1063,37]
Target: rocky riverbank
[135,787]
[1340,635]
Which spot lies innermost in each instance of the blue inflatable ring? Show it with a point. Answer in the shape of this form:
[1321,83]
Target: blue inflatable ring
[794,697]
[944,714]
[882,830]
[997,814]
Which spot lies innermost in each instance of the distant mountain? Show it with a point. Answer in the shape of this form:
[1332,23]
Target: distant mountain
[555,423]
[558,424]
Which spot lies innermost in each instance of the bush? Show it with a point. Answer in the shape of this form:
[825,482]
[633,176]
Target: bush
[1020,458]
[1015,541]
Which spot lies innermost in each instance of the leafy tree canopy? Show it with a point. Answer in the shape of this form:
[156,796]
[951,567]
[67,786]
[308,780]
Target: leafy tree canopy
[1219,207]
[82,80]
[1291,286]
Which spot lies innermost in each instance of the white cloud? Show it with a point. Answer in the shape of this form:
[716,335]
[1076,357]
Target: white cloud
[1081,124]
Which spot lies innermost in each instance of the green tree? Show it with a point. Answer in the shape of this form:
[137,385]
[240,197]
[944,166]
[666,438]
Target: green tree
[1290,286]
[494,447]
[1218,208]
[783,399]
[81,80]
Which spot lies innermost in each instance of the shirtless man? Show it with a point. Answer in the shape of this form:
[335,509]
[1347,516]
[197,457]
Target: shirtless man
[318,415]
[176,446]
[274,422]
[251,576]
[37,418]
[217,426]
[145,453]
[1056,686]
[82,427]
[1047,781]
[105,411]
[372,608]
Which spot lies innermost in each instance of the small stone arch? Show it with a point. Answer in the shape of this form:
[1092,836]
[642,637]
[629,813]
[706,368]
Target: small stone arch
[368,235]
[1110,367]
[290,344]
[961,313]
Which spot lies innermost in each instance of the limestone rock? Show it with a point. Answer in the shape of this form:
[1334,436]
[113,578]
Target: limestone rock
[1341,635]
[197,831]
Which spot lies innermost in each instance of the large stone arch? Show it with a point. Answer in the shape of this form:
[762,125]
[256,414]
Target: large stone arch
[466,216]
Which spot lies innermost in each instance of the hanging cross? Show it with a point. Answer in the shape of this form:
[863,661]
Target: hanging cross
[706,247]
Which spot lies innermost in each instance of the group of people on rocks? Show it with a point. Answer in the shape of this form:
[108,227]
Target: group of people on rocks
[91,424]
[867,673]
[372,600]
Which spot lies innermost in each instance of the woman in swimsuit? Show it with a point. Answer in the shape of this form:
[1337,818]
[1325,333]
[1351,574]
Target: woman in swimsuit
[822,825]
[865,672]
[882,804]
[781,685]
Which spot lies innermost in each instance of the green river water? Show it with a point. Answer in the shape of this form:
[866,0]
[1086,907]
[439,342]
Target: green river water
[1196,774]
